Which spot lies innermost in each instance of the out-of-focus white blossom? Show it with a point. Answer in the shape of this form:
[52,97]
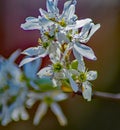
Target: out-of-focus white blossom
[48,99]
[12,91]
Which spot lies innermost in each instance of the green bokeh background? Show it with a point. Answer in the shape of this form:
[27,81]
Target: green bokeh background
[98,114]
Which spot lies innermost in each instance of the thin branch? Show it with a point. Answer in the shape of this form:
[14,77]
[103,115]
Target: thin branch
[103,95]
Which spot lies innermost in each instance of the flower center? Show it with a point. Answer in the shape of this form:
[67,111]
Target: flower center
[45,44]
[48,100]
[82,77]
[57,67]
[62,23]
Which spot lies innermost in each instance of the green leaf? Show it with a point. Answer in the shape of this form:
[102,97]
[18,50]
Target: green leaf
[74,64]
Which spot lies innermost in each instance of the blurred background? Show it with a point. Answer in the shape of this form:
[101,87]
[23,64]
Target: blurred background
[98,114]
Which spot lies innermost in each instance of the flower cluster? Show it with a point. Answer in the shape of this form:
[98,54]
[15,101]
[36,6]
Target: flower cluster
[63,35]
[13,91]
[63,40]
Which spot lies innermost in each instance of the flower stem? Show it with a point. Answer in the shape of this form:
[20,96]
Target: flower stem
[103,95]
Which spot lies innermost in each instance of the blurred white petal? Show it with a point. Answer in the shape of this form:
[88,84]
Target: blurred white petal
[59,114]
[14,55]
[41,111]
[24,114]
[60,97]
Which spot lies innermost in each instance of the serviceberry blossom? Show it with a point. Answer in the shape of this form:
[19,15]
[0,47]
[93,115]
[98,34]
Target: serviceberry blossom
[48,99]
[80,78]
[12,91]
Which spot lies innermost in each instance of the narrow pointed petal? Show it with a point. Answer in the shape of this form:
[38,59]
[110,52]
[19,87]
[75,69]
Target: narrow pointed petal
[31,24]
[91,75]
[86,91]
[51,7]
[27,60]
[87,31]
[45,72]
[45,23]
[82,22]
[33,51]
[83,36]
[74,86]
[85,51]
[14,56]
[66,9]
[70,12]
[55,3]
[79,24]
[59,114]
[43,13]
[24,114]
[93,30]
[79,57]
[41,111]
[60,97]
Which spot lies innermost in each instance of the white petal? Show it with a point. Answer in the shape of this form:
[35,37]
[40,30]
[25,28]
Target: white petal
[43,13]
[61,37]
[91,75]
[27,60]
[14,55]
[24,114]
[83,36]
[93,29]
[59,114]
[66,9]
[45,72]
[45,23]
[32,19]
[79,24]
[33,51]
[51,7]
[54,53]
[71,12]
[15,115]
[87,91]
[82,22]
[55,3]
[87,31]
[60,97]
[31,68]
[79,57]
[30,102]
[85,51]
[41,111]
[30,26]
[72,83]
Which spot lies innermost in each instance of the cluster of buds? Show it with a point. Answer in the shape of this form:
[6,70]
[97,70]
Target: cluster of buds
[63,39]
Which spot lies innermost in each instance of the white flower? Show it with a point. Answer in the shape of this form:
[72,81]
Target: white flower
[11,88]
[80,78]
[49,99]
